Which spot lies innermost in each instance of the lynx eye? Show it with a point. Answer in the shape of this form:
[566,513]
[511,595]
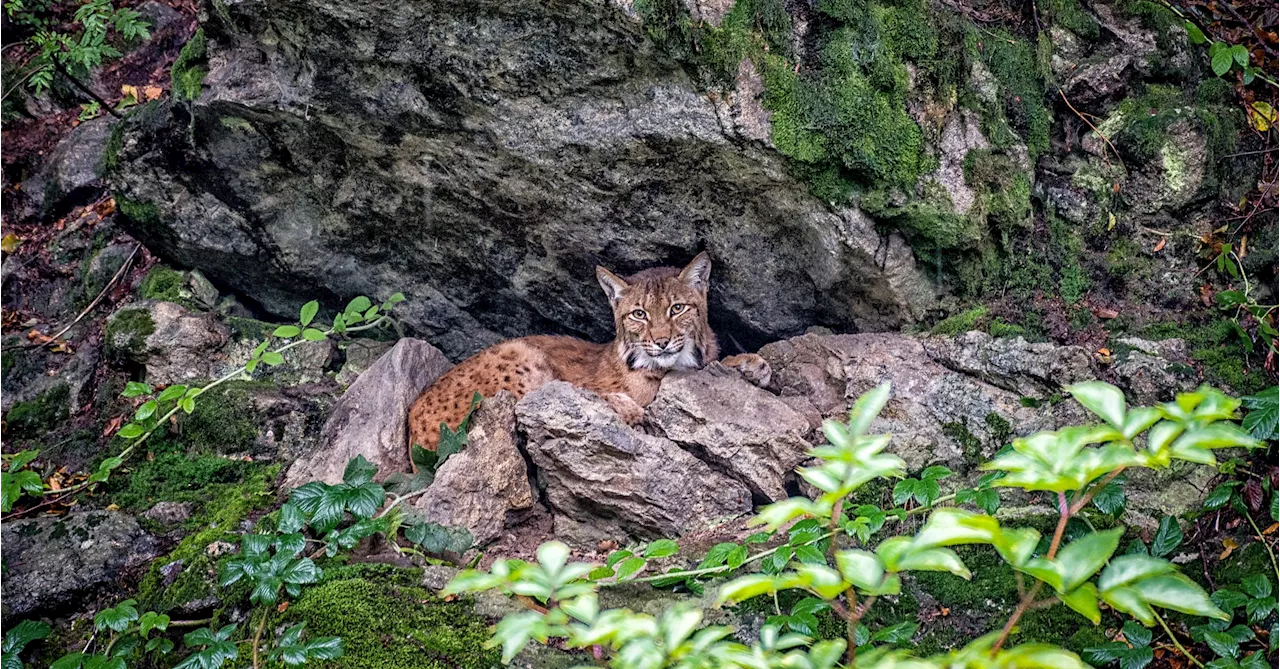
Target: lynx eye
[639,314]
[677,309]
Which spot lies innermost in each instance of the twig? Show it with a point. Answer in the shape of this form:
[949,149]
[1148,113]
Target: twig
[119,273]
[1095,130]
[1257,34]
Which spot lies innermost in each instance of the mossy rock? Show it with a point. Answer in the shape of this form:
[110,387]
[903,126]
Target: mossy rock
[39,416]
[127,332]
[162,283]
[386,619]
[962,322]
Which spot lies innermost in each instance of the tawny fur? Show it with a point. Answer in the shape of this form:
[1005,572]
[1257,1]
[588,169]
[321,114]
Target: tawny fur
[660,318]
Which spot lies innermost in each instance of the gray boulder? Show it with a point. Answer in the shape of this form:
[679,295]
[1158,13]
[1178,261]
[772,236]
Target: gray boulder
[737,428]
[54,562]
[1031,369]
[75,170]
[603,479]
[483,164]
[478,487]
[175,344]
[371,419]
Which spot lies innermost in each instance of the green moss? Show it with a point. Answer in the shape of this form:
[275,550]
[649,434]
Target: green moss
[111,154]
[176,477]
[187,74]
[999,328]
[1000,428]
[389,621]
[1070,15]
[8,360]
[1021,114]
[962,322]
[970,445]
[224,421]
[162,283]
[38,416]
[225,506]
[142,212]
[1220,351]
[127,332]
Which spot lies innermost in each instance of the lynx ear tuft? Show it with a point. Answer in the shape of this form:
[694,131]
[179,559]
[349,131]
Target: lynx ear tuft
[612,284]
[697,274]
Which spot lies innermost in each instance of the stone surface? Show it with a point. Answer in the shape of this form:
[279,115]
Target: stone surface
[737,428]
[600,473]
[169,513]
[477,487]
[73,173]
[371,418]
[1012,363]
[483,163]
[52,563]
[360,354]
[182,346]
[1152,372]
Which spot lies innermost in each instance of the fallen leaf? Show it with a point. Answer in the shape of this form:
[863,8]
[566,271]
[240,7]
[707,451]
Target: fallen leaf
[1104,313]
[1111,221]
[10,243]
[1228,545]
[1243,240]
[284,606]
[152,92]
[945,612]
[113,507]
[1160,245]
[112,426]
[1272,529]
[1206,295]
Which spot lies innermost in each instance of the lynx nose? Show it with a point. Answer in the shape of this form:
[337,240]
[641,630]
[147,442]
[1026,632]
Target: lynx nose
[661,343]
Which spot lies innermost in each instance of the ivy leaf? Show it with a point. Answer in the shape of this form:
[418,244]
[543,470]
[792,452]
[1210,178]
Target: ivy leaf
[1264,414]
[1220,495]
[804,532]
[308,312]
[1256,585]
[130,431]
[1168,537]
[172,393]
[287,331]
[152,621]
[896,634]
[935,472]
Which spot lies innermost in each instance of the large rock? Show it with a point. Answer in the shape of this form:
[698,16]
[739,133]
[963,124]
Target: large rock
[371,419]
[176,345]
[739,429]
[477,487]
[54,562]
[1031,369]
[482,157]
[606,480]
[72,174]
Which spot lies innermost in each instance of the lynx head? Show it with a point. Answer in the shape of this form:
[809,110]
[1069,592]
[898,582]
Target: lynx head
[661,316]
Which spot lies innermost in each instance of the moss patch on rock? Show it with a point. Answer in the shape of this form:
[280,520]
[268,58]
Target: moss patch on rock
[187,74]
[386,619]
[1221,353]
[43,414]
[962,322]
[127,332]
[162,283]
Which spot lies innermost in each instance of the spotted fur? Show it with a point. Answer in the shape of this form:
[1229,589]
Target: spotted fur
[660,319]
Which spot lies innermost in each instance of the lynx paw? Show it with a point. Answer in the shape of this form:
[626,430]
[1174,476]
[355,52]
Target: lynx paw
[752,367]
[627,409]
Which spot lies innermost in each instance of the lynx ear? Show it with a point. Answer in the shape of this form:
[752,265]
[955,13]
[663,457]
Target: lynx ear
[697,274]
[612,284]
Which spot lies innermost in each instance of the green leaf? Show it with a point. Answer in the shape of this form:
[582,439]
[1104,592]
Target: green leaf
[118,618]
[809,555]
[272,358]
[866,408]
[1229,600]
[17,637]
[1194,34]
[312,334]
[630,566]
[1256,585]
[1240,54]
[1264,414]
[172,393]
[357,306]
[1103,399]
[1221,64]
[896,634]
[287,331]
[935,472]
[1168,537]
[308,312]
[152,621]
[131,431]
[135,389]
[1222,643]
[661,548]
[397,297]
[744,587]
[904,490]
[147,410]
[1220,495]
[359,471]
[1084,600]
[1110,499]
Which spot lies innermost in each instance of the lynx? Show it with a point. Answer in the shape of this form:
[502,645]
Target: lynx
[660,316]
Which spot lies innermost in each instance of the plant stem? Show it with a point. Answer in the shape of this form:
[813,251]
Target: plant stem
[1064,514]
[1088,495]
[233,374]
[1270,553]
[764,554]
[257,636]
[1177,643]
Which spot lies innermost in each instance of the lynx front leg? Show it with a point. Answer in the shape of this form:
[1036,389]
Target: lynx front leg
[752,367]
[627,409]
